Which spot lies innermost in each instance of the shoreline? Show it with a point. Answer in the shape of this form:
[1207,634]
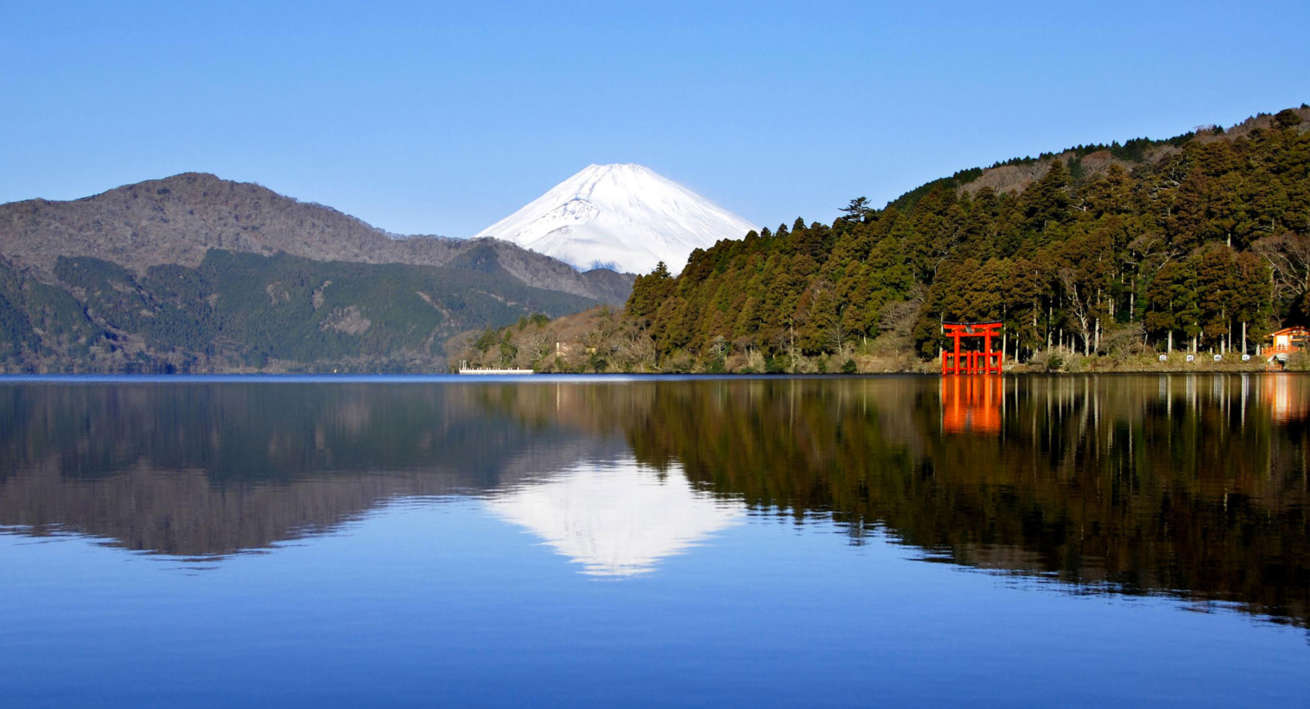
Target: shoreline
[402,377]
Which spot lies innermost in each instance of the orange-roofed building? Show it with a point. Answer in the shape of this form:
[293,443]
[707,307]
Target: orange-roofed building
[1287,341]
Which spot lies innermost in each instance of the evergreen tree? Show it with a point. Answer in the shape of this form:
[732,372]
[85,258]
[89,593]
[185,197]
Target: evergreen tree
[1201,238]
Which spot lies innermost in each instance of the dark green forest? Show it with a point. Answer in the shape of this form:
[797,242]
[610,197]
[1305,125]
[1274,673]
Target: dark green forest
[1200,242]
[242,311]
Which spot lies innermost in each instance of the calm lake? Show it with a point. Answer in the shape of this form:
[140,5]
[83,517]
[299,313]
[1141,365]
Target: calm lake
[1071,541]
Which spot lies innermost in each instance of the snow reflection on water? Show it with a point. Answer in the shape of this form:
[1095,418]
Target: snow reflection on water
[617,518]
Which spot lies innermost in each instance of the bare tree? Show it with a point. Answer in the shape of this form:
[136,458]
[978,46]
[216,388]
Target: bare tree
[1288,256]
[1082,311]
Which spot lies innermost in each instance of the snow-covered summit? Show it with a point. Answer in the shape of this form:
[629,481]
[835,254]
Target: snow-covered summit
[622,215]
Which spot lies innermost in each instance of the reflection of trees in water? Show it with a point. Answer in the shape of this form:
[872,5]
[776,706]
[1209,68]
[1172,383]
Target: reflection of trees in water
[1183,484]
[181,512]
[261,432]
[202,469]
[1179,484]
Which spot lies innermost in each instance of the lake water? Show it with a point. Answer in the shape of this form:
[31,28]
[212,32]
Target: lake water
[707,542]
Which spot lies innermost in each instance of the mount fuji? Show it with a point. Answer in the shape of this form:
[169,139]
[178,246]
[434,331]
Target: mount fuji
[623,216]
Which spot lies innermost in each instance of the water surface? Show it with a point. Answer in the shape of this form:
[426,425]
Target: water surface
[846,541]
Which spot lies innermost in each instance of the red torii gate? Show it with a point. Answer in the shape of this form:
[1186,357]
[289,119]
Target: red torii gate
[988,361]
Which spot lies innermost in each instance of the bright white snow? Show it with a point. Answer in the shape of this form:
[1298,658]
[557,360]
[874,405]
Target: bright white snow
[616,520]
[622,215]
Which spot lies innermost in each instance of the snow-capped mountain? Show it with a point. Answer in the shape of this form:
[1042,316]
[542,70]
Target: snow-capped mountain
[625,216]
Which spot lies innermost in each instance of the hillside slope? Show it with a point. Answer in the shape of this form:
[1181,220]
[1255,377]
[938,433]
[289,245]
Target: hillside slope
[247,312]
[176,220]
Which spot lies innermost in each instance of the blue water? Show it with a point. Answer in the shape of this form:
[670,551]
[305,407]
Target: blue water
[464,597]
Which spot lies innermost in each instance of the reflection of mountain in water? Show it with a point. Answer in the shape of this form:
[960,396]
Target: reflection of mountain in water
[1194,486]
[616,519]
[1186,485]
[1183,485]
[203,469]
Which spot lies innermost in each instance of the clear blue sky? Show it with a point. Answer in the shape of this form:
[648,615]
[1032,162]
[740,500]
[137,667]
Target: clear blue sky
[444,117]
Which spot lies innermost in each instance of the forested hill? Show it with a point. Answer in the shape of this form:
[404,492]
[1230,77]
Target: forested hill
[178,219]
[1151,245]
[241,312]
[193,273]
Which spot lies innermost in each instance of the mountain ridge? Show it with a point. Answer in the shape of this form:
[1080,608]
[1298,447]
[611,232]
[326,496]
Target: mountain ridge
[1090,160]
[193,273]
[176,219]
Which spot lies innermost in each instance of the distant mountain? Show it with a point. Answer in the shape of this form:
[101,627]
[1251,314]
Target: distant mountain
[194,273]
[622,215]
[177,219]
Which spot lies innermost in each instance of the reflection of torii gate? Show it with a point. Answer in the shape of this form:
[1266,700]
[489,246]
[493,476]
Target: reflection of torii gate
[988,361]
[972,404]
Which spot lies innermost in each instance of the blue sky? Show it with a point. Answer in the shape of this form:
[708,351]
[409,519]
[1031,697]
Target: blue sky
[442,118]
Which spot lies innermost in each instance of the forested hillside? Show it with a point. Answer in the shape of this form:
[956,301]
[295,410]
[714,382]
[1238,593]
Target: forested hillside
[178,219]
[1200,241]
[248,312]
[193,273]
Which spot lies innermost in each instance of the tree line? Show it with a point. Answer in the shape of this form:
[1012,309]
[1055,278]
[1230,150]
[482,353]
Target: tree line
[1204,244]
